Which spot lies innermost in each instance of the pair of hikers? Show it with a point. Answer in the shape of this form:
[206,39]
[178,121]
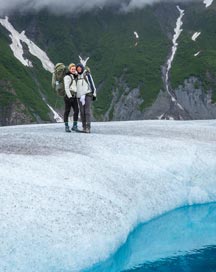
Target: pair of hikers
[79,92]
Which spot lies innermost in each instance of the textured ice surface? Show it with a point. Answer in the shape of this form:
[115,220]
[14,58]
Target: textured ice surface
[70,200]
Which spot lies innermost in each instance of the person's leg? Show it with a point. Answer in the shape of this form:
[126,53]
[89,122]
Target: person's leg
[82,114]
[76,114]
[66,113]
[88,102]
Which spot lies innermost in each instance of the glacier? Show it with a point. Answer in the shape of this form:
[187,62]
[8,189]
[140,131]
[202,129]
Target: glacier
[175,241]
[69,201]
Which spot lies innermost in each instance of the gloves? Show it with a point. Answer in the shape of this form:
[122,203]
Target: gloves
[94,98]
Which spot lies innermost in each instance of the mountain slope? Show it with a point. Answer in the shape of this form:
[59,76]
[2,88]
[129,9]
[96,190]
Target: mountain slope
[129,71]
[109,40]
[22,89]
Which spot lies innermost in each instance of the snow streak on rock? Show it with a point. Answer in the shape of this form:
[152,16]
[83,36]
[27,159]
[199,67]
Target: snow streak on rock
[177,33]
[57,117]
[17,48]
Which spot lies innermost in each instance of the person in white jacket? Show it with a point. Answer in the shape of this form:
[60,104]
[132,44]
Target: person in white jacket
[70,99]
[86,93]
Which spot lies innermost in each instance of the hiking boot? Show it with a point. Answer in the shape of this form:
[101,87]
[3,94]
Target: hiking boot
[84,127]
[67,129]
[75,127]
[88,128]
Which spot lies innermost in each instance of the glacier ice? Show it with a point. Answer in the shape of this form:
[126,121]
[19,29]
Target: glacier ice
[180,234]
[70,200]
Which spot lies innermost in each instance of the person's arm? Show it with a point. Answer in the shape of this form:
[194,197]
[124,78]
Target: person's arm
[67,83]
[92,85]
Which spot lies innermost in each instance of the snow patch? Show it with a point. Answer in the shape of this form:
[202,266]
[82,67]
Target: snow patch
[197,54]
[16,45]
[136,35]
[195,36]
[17,48]
[161,116]
[208,3]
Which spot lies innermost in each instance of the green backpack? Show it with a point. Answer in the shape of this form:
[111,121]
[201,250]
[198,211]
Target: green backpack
[58,78]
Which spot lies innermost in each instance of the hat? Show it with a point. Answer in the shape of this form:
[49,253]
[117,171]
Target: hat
[81,66]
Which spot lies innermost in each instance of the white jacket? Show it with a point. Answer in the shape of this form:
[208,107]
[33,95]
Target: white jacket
[84,86]
[70,88]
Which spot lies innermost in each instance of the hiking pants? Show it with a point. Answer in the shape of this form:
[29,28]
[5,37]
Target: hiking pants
[71,103]
[85,111]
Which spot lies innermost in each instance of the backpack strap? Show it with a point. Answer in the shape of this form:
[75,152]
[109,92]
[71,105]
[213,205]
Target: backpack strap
[91,82]
[86,78]
[72,80]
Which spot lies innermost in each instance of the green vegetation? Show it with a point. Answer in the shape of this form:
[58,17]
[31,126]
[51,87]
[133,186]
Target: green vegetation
[22,81]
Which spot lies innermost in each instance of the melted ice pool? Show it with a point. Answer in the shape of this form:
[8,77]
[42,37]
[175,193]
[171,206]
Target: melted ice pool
[180,241]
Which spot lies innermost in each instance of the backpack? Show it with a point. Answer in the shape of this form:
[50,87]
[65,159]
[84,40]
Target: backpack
[58,78]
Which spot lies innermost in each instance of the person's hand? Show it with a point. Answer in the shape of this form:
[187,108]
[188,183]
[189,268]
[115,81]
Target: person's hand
[73,94]
[94,98]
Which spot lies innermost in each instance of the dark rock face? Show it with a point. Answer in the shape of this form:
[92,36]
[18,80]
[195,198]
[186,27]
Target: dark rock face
[12,111]
[14,114]
[193,103]
[196,101]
